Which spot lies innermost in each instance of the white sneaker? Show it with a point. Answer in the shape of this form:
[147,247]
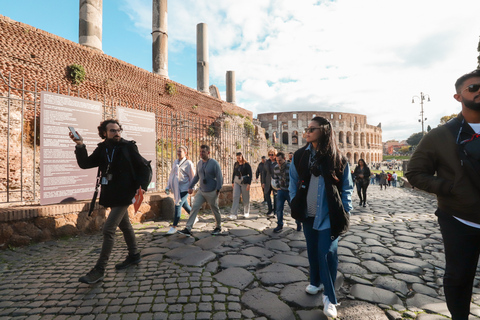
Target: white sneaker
[172,230]
[311,289]
[232,217]
[329,308]
[246,215]
[196,220]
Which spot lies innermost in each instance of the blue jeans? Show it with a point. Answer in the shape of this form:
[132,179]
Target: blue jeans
[282,196]
[322,258]
[372,180]
[394,183]
[178,208]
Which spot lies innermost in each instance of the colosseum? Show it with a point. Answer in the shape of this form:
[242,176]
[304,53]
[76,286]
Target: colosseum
[355,138]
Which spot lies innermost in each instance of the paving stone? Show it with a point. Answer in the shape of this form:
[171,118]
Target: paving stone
[278,273]
[294,294]
[376,267]
[257,252]
[391,284]
[238,260]
[374,295]
[267,304]
[291,260]
[235,277]
[198,259]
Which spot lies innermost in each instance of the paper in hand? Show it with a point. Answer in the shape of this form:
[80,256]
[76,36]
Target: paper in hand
[137,200]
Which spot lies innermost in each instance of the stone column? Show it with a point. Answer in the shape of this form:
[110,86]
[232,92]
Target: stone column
[231,90]
[202,58]
[160,37]
[90,24]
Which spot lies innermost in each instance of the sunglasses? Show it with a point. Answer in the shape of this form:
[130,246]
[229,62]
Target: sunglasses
[473,88]
[310,130]
[115,130]
[271,154]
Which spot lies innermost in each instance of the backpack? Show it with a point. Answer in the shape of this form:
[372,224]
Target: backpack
[142,174]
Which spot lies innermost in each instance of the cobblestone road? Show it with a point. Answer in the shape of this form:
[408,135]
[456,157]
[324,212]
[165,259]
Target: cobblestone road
[391,267]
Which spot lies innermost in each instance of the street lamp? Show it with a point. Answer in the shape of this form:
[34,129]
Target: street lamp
[422,98]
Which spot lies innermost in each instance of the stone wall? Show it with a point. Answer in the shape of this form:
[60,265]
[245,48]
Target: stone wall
[355,137]
[24,225]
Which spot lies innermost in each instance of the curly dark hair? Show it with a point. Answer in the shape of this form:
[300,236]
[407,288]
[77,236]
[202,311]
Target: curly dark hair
[102,128]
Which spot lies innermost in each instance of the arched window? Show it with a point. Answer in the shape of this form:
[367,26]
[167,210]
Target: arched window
[295,137]
[285,138]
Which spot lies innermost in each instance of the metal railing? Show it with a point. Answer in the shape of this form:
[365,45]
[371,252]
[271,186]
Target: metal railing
[19,135]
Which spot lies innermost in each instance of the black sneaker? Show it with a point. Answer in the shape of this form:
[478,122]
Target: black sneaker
[270,215]
[135,259]
[216,231]
[299,227]
[364,204]
[361,202]
[185,232]
[278,229]
[93,276]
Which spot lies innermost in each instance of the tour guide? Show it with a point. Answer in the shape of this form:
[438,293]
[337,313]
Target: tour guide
[446,162]
[119,163]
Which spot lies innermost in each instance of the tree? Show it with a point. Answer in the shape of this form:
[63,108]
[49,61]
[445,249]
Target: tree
[445,119]
[404,149]
[415,138]
[429,128]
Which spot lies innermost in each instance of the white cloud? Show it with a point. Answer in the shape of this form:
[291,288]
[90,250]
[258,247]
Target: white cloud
[368,57]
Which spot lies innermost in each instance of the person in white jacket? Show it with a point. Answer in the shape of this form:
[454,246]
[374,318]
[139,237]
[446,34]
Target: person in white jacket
[178,183]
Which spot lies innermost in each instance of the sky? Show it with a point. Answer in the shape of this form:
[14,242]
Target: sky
[369,57]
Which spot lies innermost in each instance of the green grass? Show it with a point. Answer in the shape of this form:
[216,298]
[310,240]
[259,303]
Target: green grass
[398,172]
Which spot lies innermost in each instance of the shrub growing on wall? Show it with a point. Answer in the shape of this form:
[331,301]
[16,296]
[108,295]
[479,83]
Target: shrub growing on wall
[76,73]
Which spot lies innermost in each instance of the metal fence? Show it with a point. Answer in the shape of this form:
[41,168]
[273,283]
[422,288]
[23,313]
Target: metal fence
[19,136]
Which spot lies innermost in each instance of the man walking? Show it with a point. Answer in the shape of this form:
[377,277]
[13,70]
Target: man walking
[211,181]
[446,162]
[282,180]
[120,166]
[267,178]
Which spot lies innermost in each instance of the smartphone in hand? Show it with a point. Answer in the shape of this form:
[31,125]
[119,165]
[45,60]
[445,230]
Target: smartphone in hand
[74,132]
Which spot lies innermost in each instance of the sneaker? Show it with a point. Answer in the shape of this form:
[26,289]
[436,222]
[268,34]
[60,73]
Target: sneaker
[232,217]
[216,231]
[329,308]
[361,202]
[364,204]
[311,289]
[196,220]
[299,227]
[172,230]
[135,259]
[93,276]
[246,215]
[270,215]
[185,232]
[278,229]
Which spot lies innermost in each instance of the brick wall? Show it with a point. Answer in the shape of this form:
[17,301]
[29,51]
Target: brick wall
[36,55]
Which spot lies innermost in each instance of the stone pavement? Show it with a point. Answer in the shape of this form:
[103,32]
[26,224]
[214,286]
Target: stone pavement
[391,267]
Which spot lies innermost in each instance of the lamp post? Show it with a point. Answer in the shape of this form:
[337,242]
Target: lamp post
[422,98]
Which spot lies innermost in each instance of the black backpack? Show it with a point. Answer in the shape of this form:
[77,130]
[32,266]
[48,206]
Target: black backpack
[143,173]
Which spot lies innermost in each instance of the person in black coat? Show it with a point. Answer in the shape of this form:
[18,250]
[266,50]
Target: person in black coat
[362,180]
[120,165]
[259,173]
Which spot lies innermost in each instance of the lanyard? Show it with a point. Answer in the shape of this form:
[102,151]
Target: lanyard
[110,159]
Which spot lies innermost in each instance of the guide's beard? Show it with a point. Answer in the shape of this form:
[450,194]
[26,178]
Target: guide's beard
[471,104]
[114,140]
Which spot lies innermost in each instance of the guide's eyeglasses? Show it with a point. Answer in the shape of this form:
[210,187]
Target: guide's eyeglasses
[310,130]
[115,130]
[473,88]
[271,154]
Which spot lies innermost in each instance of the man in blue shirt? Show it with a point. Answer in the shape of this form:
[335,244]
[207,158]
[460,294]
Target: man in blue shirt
[211,181]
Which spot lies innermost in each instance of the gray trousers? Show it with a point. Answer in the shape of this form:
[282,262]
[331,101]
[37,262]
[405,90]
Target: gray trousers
[200,198]
[118,217]
[238,189]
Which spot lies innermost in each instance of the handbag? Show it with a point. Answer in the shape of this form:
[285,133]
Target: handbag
[339,218]
[299,202]
[95,194]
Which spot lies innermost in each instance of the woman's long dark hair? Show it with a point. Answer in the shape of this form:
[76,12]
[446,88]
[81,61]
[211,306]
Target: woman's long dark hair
[327,149]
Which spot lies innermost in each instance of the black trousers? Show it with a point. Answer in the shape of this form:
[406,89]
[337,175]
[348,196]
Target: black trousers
[462,249]
[362,190]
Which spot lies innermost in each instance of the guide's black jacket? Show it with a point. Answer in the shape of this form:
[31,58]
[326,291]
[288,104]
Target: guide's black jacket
[121,189]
